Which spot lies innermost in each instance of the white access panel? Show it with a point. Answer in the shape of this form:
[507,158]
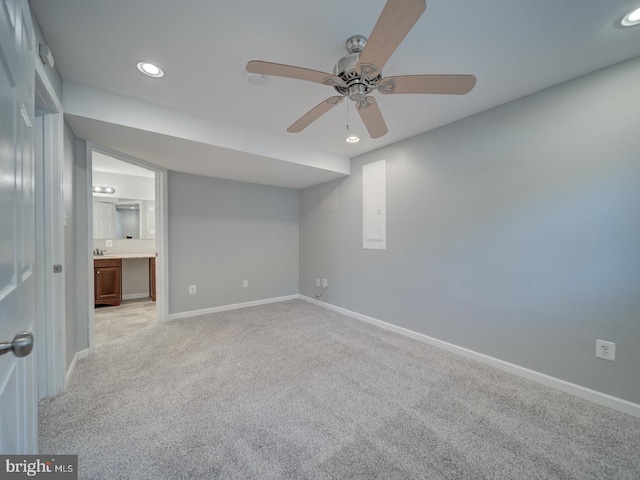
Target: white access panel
[374,205]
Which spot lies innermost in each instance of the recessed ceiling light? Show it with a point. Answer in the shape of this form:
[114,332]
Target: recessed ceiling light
[353,139]
[632,19]
[150,69]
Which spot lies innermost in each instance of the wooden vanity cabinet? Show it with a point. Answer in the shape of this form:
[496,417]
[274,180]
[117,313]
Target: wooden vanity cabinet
[107,278]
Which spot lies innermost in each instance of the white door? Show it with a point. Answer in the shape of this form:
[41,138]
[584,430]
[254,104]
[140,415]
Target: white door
[18,394]
[104,220]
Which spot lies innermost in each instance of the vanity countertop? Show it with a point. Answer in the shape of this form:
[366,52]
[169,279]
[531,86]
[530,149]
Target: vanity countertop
[124,255]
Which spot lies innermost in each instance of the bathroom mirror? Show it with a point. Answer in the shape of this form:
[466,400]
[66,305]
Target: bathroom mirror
[123,218]
[128,220]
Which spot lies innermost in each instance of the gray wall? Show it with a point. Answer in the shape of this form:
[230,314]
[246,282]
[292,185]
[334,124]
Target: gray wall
[70,249]
[135,277]
[130,223]
[222,232]
[514,233]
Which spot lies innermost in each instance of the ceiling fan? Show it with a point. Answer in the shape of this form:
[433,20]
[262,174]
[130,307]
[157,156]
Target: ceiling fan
[359,73]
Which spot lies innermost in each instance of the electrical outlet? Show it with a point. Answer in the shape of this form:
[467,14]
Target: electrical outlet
[245,283]
[325,284]
[109,243]
[606,350]
[192,289]
[317,283]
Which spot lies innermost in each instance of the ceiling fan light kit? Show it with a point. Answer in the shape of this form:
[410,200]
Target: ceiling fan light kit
[359,73]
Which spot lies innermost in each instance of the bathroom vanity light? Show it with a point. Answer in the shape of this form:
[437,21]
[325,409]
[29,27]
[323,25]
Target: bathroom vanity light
[97,189]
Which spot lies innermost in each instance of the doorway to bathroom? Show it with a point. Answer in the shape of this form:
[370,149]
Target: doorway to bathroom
[124,247]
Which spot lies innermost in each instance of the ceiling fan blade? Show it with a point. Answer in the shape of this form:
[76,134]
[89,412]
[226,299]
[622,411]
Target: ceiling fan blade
[396,19]
[372,117]
[279,70]
[315,113]
[441,84]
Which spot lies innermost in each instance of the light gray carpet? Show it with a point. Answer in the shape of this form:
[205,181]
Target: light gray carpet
[293,391]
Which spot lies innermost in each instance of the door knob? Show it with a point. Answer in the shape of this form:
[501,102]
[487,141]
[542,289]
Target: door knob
[21,346]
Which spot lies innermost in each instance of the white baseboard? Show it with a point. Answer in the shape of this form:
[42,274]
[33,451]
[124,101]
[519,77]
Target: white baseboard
[78,356]
[562,385]
[224,308]
[133,296]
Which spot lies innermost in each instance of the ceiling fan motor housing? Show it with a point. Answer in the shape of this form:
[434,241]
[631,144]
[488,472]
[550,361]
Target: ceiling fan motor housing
[358,85]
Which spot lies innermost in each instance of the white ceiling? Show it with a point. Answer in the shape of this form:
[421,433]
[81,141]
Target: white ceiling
[514,49]
[108,164]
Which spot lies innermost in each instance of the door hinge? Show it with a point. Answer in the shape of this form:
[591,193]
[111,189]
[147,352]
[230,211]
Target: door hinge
[57,268]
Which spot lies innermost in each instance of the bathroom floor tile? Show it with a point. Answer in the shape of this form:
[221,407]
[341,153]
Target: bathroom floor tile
[114,322]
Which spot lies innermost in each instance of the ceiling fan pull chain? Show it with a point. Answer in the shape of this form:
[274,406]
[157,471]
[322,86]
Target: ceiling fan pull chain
[347,116]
